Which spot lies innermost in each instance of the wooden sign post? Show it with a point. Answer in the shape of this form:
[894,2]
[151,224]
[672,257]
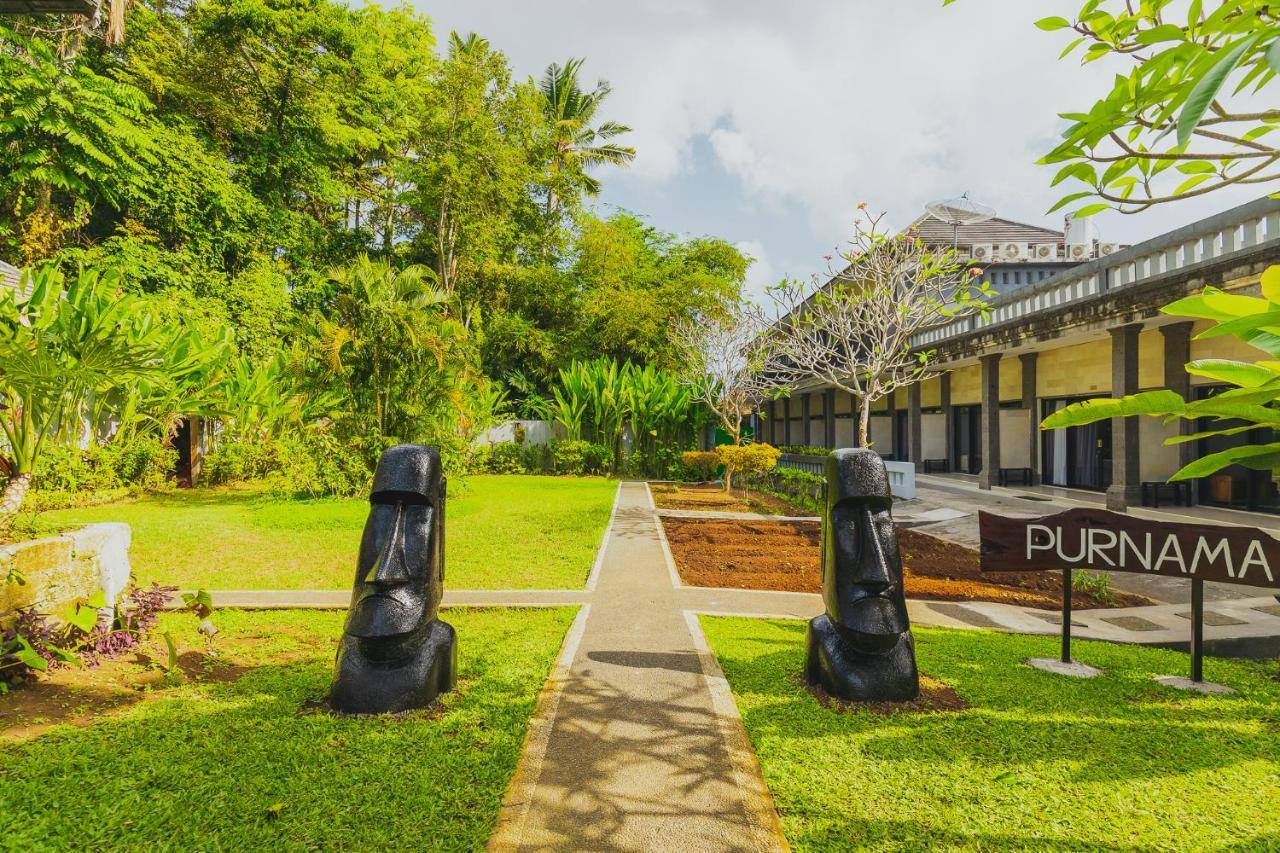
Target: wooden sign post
[1086,538]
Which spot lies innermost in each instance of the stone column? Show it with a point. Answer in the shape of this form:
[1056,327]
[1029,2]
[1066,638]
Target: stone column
[804,420]
[947,415]
[786,420]
[1177,352]
[990,420]
[1032,403]
[1126,482]
[915,453]
[829,416]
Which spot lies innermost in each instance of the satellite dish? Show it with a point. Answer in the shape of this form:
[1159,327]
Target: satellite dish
[960,211]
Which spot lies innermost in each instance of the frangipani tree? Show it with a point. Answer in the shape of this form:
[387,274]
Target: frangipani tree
[726,362]
[1254,397]
[854,333]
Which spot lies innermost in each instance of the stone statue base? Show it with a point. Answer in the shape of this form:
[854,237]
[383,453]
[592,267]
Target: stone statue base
[846,672]
[369,685]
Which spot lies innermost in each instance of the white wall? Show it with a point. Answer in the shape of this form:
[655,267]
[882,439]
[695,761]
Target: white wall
[1014,447]
[1158,461]
[844,432]
[881,434]
[535,432]
[933,436]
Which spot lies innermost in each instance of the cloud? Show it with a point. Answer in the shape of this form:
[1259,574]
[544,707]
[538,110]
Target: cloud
[761,274]
[816,106]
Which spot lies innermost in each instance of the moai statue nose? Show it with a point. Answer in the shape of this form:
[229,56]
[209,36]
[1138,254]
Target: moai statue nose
[390,569]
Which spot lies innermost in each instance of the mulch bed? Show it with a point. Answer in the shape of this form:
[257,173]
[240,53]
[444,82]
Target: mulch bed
[786,556]
[713,498]
[935,697]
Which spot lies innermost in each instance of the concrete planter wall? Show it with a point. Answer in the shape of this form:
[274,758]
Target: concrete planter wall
[61,569]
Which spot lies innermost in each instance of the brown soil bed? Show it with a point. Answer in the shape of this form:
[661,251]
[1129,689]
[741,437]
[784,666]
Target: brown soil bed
[935,697]
[80,696]
[712,498]
[786,556]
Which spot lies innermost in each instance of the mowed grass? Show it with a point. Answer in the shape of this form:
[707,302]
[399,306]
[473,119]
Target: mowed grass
[502,532]
[242,765]
[1037,761]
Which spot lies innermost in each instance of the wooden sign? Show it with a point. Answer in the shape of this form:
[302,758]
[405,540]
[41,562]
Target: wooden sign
[1100,540]
[1086,538]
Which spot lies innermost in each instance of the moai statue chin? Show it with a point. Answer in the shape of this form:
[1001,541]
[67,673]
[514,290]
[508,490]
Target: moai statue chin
[861,649]
[395,654]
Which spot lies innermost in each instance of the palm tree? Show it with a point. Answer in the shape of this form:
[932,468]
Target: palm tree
[385,327]
[576,144]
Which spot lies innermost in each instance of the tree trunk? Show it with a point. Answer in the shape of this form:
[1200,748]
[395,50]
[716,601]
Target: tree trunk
[864,422]
[15,491]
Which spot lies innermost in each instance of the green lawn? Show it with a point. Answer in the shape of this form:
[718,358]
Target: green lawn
[240,765]
[504,532]
[1037,761]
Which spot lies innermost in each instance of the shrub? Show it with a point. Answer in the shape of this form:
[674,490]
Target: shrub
[141,462]
[748,459]
[805,490]
[579,457]
[537,458]
[317,464]
[805,450]
[238,460]
[705,462]
[503,458]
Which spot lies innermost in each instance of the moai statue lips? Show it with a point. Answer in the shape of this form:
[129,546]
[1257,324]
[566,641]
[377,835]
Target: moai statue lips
[395,654]
[861,648]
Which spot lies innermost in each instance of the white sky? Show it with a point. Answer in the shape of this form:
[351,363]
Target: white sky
[766,122]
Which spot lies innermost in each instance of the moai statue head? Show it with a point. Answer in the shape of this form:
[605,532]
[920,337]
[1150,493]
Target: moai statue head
[861,568]
[861,648]
[395,655]
[400,570]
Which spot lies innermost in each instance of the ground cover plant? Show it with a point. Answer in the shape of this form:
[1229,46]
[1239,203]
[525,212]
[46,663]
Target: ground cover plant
[517,532]
[1035,761]
[227,757]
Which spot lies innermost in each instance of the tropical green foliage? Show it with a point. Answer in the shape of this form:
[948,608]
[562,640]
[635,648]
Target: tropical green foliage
[1187,113]
[1254,397]
[603,401]
[79,351]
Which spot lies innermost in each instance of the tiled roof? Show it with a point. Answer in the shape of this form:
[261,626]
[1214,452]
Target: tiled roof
[936,232]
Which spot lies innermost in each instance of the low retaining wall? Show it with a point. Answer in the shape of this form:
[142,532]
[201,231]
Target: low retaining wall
[61,569]
[902,475]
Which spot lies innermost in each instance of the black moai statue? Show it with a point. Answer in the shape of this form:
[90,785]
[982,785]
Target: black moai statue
[395,654]
[861,649]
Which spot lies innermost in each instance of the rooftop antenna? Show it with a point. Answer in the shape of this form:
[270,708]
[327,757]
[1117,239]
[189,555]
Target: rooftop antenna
[960,211]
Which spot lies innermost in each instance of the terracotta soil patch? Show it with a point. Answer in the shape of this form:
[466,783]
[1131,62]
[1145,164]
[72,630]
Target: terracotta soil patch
[712,498]
[786,556]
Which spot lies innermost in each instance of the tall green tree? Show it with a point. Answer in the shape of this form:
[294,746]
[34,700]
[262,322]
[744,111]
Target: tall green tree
[70,139]
[390,343]
[577,143]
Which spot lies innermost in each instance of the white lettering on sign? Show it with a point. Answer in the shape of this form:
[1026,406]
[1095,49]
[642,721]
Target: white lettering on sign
[1223,550]
[1253,555]
[1099,547]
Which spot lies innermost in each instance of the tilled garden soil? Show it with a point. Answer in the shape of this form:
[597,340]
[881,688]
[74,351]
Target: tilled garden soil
[710,497]
[786,556]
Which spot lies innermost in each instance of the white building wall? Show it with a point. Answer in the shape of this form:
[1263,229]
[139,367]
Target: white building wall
[1015,449]
[1158,461]
[881,433]
[933,435]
